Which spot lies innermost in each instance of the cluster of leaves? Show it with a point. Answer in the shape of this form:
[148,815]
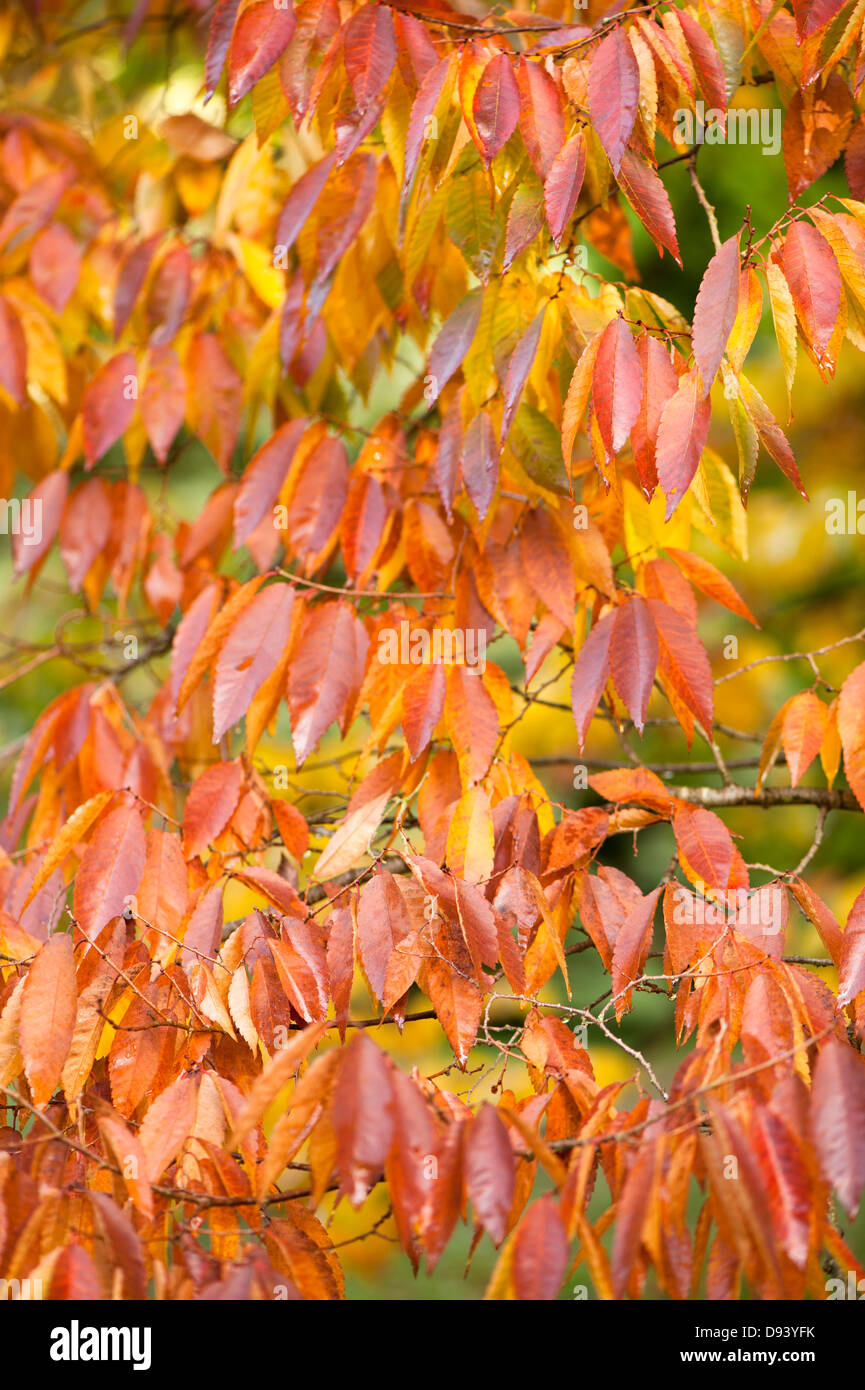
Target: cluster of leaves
[419,186]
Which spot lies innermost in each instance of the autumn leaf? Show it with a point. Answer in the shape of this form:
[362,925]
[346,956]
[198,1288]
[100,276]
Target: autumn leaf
[715,310]
[837,1116]
[634,656]
[210,806]
[682,434]
[261,33]
[614,92]
[111,868]
[617,385]
[48,1004]
[496,105]
[362,1116]
[108,405]
[562,185]
[249,654]
[811,271]
[489,1172]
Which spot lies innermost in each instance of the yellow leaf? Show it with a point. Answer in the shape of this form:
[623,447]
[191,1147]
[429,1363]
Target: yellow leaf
[470,843]
[830,749]
[784,319]
[748,314]
[75,829]
[351,840]
[257,265]
[269,106]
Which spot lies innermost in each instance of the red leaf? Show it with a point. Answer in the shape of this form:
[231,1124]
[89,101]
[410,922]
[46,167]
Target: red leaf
[682,434]
[85,530]
[705,845]
[814,15]
[519,366]
[633,1212]
[210,805]
[817,912]
[447,460]
[707,63]
[364,519]
[542,122]
[216,397]
[263,479]
[249,654]
[631,949]
[163,892]
[458,1004]
[423,702]
[453,341]
[715,310]
[362,1117]
[262,33]
[75,1278]
[634,656]
[547,562]
[817,124]
[301,200]
[108,405]
[55,264]
[562,185]
[369,49]
[163,399]
[525,220]
[13,353]
[645,191]
[51,492]
[852,971]
[683,661]
[472,722]
[712,582]
[838,1120]
[496,105]
[540,1253]
[614,93]
[854,160]
[383,921]
[318,498]
[168,295]
[324,674]
[659,383]
[803,731]
[489,1172]
[780,1158]
[444,1195]
[479,462]
[591,672]
[423,108]
[111,869]
[218,40]
[811,270]
[130,278]
[851,728]
[617,385]
[47,1021]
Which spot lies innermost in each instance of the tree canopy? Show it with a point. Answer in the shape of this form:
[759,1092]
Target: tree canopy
[387,392]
